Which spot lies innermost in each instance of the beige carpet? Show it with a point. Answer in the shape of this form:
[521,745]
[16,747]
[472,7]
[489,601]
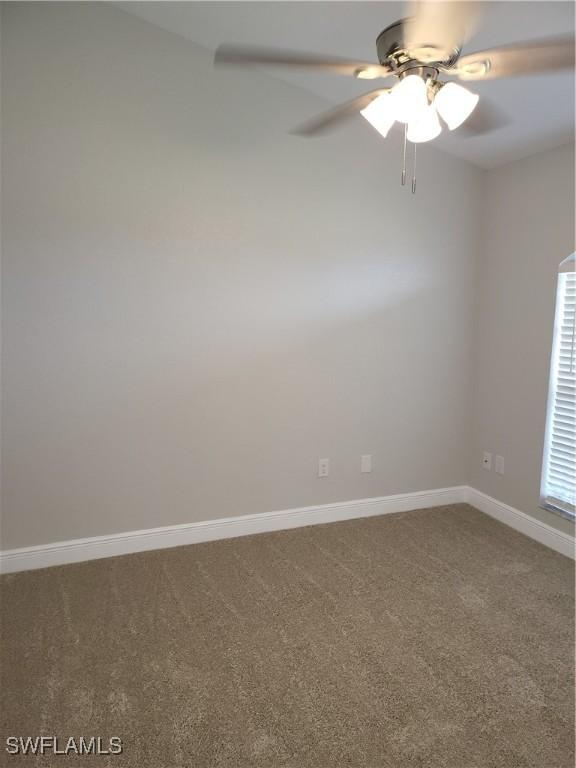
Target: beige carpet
[432,638]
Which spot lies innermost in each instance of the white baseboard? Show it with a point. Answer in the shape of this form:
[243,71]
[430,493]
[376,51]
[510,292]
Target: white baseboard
[77,550]
[96,547]
[529,526]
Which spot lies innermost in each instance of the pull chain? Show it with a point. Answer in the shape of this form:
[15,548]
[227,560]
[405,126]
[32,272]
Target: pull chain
[404,161]
[404,155]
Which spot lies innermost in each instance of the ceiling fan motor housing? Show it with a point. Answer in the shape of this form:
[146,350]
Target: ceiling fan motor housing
[392,50]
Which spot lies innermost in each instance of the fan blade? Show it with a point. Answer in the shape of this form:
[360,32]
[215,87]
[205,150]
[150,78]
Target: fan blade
[547,55]
[333,117]
[485,118]
[437,29]
[254,56]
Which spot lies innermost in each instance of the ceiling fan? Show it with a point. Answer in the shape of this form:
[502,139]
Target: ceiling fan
[417,51]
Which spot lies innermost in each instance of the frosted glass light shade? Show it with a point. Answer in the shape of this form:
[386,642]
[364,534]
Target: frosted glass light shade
[379,113]
[409,98]
[454,104]
[425,127]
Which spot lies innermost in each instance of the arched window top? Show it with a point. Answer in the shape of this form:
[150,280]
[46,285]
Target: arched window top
[569,264]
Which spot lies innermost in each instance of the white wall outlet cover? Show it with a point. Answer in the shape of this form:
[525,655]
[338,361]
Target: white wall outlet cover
[487,461]
[499,465]
[323,467]
[366,463]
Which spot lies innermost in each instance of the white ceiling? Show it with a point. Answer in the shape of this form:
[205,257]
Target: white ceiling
[540,108]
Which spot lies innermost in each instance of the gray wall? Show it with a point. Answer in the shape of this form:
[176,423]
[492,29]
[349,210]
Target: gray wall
[196,305]
[528,221]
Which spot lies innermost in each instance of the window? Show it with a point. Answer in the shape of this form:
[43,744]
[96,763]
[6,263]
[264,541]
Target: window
[559,467]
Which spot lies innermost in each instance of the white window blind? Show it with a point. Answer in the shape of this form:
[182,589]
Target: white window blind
[559,470]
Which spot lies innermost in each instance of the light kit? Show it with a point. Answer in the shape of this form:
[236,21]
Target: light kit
[416,101]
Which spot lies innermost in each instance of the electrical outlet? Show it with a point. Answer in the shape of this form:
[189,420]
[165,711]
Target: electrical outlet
[487,461]
[366,463]
[499,465]
[323,467]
